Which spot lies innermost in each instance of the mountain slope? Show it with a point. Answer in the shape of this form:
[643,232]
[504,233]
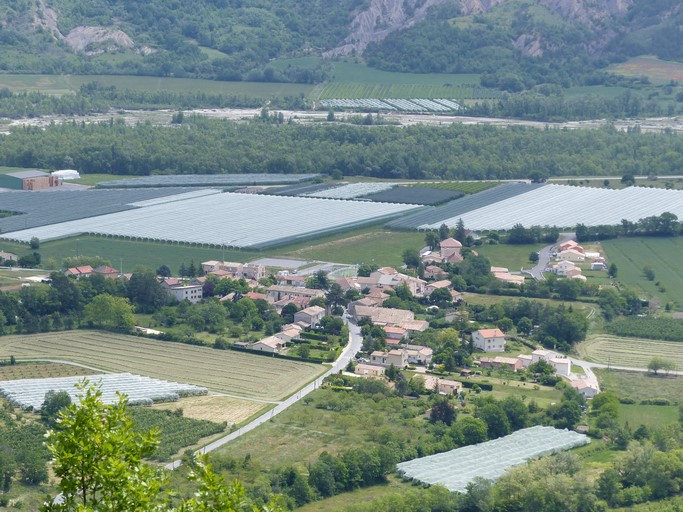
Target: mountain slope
[515,44]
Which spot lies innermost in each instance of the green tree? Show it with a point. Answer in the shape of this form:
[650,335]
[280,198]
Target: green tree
[460,233]
[34,244]
[612,271]
[108,311]
[411,258]
[470,430]
[318,281]
[54,402]
[444,232]
[432,240]
[145,291]
[443,411]
[495,418]
[649,273]
[98,456]
[658,363]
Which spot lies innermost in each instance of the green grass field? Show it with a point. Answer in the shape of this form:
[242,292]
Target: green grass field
[64,84]
[365,246]
[640,386]
[629,352]
[662,254]
[225,371]
[514,257]
[655,69]
[131,253]
[648,415]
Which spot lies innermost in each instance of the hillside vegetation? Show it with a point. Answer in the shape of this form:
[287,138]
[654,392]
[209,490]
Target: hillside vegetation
[515,44]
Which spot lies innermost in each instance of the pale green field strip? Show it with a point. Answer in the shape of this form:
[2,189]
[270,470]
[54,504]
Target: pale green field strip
[631,352]
[234,373]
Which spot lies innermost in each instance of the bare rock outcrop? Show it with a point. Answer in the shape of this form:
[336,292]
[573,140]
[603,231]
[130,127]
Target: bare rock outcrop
[94,40]
[379,20]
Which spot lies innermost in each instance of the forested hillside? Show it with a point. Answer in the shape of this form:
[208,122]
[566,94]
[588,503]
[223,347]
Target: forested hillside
[518,44]
[515,44]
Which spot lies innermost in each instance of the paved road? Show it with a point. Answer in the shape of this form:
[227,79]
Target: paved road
[349,351]
[544,256]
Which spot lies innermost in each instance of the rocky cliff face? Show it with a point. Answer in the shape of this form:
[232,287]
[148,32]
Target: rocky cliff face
[385,16]
[380,19]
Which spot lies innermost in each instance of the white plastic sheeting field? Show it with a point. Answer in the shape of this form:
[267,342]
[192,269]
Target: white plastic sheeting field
[27,393]
[352,190]
[489,460]
[230,219]
[566,206]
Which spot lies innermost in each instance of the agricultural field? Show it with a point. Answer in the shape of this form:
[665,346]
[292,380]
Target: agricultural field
[466,187]
[43,371]
[234,373]
[648,415]
[513,257]
[381,247]
[415,195]
[489,300]
[216,408]
[657,70]
[177,431]
[661,254]
[641,386]
[628,352]
[65,84]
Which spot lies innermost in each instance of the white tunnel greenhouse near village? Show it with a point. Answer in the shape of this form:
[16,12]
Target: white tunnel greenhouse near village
[489,460]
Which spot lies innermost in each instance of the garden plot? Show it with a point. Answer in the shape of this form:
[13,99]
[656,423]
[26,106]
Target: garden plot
[30,393]
[489,460]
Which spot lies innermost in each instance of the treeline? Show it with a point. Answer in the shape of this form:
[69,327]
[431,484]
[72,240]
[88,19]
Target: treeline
[556,107]
[202,146]
[666,224]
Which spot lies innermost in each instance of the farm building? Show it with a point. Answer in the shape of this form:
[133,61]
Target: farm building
[28,180]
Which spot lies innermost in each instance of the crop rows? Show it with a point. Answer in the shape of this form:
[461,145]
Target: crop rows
[230,372]
[348,90]
[630,352]
[414,195]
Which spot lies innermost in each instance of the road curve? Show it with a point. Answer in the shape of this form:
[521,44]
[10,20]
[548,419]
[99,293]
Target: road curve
[354,345]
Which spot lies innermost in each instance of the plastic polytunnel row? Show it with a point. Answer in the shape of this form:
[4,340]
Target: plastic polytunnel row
[489,460]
